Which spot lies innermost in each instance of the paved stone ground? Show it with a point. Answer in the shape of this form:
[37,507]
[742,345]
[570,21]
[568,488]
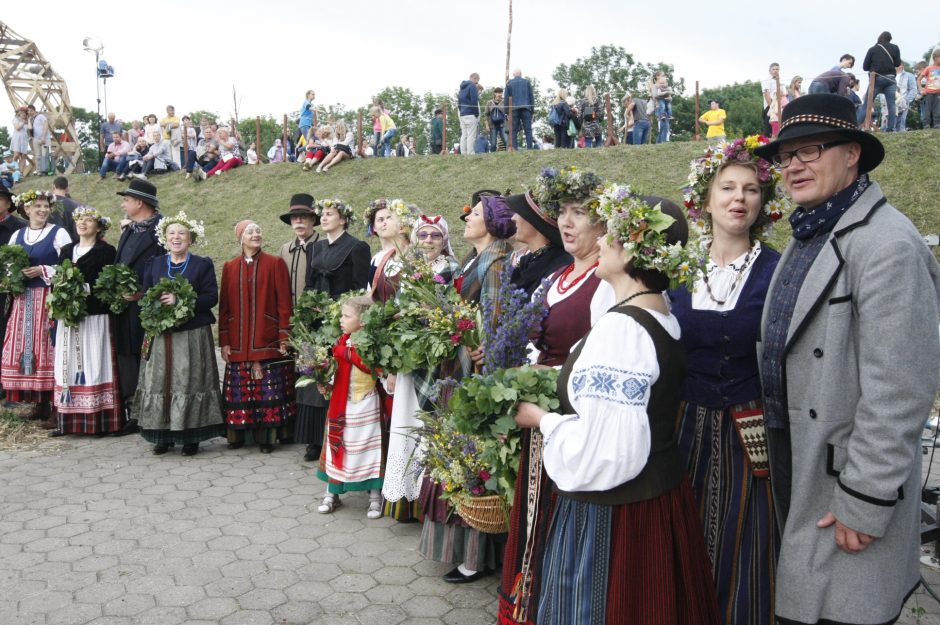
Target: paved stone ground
[101,532]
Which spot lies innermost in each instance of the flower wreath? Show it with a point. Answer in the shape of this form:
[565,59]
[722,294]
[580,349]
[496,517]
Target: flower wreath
[345,211]
[704,168]
[641,229]
[407,213]
[28,197]
[82,212]
[553,186]
[197,230]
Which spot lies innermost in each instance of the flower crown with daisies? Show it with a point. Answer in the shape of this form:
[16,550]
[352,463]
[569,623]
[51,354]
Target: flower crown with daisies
[82,212]
[407,213]
[704,168]
[197,230]
[28,197]
[554,186]
[341,207]
[642,231]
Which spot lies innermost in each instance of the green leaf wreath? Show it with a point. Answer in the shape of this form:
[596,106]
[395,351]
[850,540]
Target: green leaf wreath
[68,301]
[314,331]
[13,260]
[113,283]
[156,317]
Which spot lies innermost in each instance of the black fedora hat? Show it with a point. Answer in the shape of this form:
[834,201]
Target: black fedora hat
[142,190]
[523,205]
[825,113]
[301,204]
[6,192]
[475,199]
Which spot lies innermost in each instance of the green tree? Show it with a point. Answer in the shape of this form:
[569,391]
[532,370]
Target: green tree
[197,116]
[611,69]
[271,129]
[4,137]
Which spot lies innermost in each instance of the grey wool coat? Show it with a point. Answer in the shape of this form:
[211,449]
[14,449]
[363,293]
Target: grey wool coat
[861,368]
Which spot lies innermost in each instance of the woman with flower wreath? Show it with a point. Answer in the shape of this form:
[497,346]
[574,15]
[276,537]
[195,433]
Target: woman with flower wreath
[27,366]
[87,396]
[576,298]
[391,221]
[623,544]
[736,196]
[337,263]
[430,236]
[178,399]
[445,537]
[254,320]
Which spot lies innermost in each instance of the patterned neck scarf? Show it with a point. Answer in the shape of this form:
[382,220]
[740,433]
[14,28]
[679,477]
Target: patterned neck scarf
[810,223]
[143,226]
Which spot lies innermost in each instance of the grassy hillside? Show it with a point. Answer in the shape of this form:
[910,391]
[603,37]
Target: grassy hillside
[443,184]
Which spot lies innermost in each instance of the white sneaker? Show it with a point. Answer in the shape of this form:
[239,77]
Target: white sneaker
[375,509]
[330,503]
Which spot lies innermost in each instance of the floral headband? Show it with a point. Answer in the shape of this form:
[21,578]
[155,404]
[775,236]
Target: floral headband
[554,186]
[28,197]
[82,212]
[345,211]
[197,230]
[704,168]
[641,230]
[407,213]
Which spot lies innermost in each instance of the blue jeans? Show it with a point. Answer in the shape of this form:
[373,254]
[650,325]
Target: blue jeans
[901,124]
[889,87]
[663,136]
[386,141]
[501,129]
[522,120]
[641,131]
[817,87]
[663,107]
[118,165]
[591,142]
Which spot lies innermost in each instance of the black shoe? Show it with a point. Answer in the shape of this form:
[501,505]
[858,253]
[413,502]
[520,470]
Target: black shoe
[237,445]
[313,453]
[130,427]
[56,433]
[266,449]
[190,449]
[456,577]
[159,450]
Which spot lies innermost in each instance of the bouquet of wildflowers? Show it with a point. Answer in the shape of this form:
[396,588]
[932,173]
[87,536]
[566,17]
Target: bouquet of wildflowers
[508,321]
[450,457]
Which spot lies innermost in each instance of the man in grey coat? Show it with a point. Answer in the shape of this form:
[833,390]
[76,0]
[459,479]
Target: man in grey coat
[850,359]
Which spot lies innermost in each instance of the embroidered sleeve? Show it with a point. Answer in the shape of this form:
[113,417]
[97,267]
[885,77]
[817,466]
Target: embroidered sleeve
[607,441]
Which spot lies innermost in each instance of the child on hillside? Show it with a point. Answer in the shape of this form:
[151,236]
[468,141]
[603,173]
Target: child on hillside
[356,431]
[662,93]
[318,146]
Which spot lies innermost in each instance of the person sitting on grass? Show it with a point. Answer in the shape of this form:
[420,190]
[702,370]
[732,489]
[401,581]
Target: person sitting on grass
[158,159]
[318,146]
[342,147]
[230,155]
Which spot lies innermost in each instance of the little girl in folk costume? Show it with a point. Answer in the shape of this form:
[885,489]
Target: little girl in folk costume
[353,457]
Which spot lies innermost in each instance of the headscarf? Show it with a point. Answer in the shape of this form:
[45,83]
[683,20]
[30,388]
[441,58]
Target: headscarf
[438,223]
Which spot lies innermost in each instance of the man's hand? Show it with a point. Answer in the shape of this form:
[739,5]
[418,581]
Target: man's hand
[848,540]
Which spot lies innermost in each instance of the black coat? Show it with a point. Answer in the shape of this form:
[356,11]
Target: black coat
[91,264]
[201,274]
[136,250]
[338,267]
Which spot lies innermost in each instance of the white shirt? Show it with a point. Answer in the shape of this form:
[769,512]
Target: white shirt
[722,281]
[607,441]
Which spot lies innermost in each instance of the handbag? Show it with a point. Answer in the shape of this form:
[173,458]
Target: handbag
[572,129]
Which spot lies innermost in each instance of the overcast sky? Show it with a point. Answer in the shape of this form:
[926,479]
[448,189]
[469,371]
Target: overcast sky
[190,53]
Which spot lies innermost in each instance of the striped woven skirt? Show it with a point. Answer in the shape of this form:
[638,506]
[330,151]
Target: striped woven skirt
[635,563]
[736,513]
[445,537]
[87,396]
[362,436]
[27,366]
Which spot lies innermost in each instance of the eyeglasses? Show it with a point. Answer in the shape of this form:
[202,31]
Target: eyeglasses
[435,236]
[806,154]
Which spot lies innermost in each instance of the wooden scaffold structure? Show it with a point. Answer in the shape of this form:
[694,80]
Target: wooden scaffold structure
[29,79]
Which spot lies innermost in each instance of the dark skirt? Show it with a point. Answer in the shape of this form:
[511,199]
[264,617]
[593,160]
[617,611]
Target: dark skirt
[446,537]
[267,403]
[735,509]
[310,425]
[619,565]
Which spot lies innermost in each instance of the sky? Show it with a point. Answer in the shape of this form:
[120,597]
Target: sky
[190,54]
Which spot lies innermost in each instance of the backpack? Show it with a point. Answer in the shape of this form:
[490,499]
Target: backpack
[588,111]
[497,116]
[554,117]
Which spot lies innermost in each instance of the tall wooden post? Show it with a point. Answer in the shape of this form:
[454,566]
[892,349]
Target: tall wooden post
[870,101]
[444,147]
[611,137]
[284,142]
[359,133]
[258,138]
[512,135]
[698,113]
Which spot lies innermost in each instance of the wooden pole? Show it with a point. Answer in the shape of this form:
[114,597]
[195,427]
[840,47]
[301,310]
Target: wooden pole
[185,132]
[869,101]
[444,147]
[777,102]
[284,142]
[359,132]
[258,138]
[512,136]
[611,137]
[698,113]
[508,41]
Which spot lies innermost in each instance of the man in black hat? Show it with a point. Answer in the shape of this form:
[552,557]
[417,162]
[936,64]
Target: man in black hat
[9,224]
[136,249]
[849,359]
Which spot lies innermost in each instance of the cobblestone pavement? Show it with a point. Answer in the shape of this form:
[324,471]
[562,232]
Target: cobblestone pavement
[100,531]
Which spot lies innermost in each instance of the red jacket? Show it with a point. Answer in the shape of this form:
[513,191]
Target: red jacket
[254,307]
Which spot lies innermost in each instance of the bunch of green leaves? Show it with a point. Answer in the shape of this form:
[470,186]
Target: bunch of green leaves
[317,312]
[68,301]
[113,283]
[13,260]
[376,341]
[156,317]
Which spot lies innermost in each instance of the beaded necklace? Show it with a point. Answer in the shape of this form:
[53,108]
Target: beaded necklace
[181,267]
[561,279]
[738,275]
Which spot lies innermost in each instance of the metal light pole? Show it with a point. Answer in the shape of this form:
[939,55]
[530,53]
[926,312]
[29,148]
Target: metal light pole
[92,44]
